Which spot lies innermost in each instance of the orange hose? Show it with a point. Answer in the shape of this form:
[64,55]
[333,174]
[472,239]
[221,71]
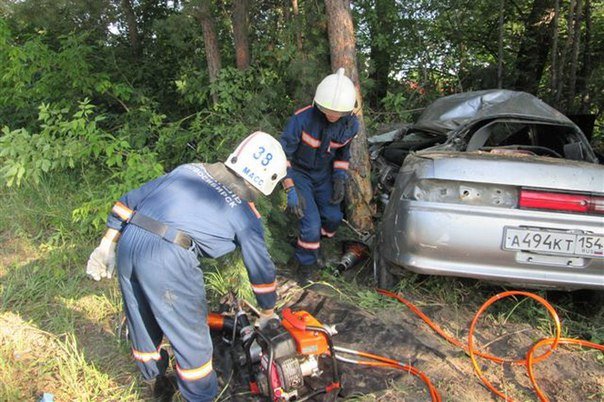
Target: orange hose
[387,362]
[492,300]
[433,392]
[528,361]
[409,368]
[451,339]
[531,352]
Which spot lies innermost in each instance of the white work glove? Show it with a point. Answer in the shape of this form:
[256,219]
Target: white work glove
[101,262]
[266,316]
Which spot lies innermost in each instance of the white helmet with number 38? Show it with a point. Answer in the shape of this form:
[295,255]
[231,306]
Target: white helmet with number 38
[260,160]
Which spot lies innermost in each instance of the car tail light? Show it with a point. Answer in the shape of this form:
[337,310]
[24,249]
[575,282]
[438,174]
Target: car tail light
[582,203]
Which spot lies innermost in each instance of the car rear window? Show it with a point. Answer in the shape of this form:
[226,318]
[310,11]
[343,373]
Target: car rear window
[539,138]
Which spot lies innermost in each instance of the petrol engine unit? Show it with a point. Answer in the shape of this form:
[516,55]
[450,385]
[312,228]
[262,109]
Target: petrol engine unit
[295,355]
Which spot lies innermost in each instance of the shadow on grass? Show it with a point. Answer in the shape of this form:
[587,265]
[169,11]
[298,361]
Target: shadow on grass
[62,327]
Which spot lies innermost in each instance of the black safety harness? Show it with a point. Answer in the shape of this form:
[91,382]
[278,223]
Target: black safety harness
[166,232]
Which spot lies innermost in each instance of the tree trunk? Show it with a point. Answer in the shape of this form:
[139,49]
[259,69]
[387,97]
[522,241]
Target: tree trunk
[381,28]
[572,84]
[554,51]
[564,55]
[203,14]
[586,65]
[342,44]
[500,44]
[132,25]
[297,25]
[240,33]
[535,45]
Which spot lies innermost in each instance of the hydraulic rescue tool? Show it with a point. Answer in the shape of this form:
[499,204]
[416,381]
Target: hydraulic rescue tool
[281,356]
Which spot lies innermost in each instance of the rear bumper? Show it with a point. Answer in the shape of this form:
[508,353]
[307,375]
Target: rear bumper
[458,240]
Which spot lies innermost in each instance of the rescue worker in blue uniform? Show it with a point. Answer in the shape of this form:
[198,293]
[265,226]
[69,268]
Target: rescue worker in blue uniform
[316,141]
[162,227]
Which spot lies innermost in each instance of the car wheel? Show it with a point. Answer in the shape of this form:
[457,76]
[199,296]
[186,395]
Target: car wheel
[588,302]
[384,278]
[595,299]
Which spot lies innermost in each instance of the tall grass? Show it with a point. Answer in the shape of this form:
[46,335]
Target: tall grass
[58,327]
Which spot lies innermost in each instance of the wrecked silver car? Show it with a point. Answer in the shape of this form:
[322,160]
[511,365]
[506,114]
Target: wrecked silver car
[493,185]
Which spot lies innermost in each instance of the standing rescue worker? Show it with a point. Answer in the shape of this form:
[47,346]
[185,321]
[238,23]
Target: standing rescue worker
[195,210]
[316,141]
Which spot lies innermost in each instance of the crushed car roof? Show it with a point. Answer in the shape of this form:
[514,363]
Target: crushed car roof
[450,112]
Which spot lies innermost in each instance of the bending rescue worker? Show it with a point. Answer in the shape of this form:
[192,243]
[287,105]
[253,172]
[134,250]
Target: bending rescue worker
[162,227]
[316,141]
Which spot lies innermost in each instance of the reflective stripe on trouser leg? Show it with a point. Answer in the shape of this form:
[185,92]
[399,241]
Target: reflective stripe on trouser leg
[307,248]
[326,233]
[198,384]
[144,332]
[173,281]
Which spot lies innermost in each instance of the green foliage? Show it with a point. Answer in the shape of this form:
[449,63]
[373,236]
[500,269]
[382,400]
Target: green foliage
[33,73]
[84,119]
[65,144]
[246,101]
[396,105]
[60,144]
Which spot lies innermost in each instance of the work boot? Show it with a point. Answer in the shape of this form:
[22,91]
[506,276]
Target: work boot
[321,259]
[164,387]
[307,274]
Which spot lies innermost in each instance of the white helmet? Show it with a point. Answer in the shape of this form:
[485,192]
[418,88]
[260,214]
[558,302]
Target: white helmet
[336,92]
[260,160]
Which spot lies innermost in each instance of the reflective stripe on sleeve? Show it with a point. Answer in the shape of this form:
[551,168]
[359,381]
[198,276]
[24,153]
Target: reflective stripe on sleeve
[196,373]
[121,210]
[266,288]
[336,145]
[310,140]
[303,109]
[341,165]
[145,356]
[309,245]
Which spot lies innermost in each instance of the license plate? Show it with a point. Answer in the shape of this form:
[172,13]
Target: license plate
[551,242]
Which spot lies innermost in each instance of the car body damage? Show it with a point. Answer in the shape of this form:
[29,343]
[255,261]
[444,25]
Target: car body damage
[512,193]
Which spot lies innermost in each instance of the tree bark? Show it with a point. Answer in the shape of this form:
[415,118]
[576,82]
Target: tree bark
[572,85]
[586,65]
[297,25]
[500,44]
[240,33]
[554,51]
[132,25]
[342,44]
[564,55]
[203,14]
[210,39]
[535,45]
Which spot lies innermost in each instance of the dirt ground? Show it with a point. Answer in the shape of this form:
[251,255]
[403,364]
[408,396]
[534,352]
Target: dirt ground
[569,374]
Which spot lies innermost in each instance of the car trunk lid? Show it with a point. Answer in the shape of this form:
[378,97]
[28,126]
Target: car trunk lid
[520,170]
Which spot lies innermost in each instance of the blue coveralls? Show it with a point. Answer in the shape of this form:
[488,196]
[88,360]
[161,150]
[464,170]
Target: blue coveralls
[162,283]
[317,151]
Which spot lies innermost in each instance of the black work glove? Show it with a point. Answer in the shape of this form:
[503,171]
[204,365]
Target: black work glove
[295,203]
[339,189]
